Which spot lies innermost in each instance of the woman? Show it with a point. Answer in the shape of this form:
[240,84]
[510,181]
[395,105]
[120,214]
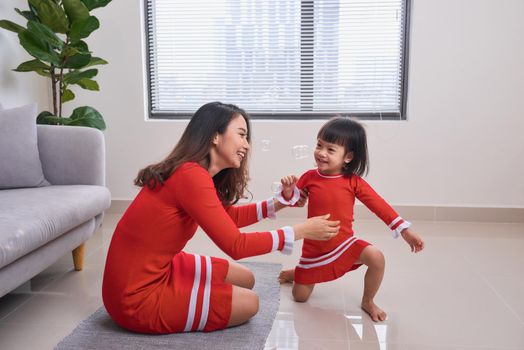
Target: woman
[150,285]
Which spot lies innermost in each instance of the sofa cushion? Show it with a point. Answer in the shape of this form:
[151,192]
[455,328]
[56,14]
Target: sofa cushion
[31,217]
[19,156]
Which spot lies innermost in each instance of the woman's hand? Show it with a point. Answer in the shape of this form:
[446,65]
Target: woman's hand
[317,228]
[288,185]
[413,239]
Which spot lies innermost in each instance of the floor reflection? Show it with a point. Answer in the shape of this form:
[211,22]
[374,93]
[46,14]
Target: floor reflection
[305,324]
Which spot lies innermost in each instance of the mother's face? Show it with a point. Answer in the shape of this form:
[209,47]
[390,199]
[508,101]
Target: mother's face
[232,146]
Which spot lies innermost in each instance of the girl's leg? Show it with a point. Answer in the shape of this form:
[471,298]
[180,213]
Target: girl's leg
[373,258]
[286,276]
[301,292]
[239,275]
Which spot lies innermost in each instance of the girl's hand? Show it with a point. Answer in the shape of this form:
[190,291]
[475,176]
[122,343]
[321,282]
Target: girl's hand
[317,228]
[288,185]
[303,198]
[413,239]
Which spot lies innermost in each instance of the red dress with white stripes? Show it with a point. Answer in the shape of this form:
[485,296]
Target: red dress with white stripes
[324,261]
[150,285]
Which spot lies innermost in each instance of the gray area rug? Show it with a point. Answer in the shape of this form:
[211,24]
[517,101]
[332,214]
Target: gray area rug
[98,331]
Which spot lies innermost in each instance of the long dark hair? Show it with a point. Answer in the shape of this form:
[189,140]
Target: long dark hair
[195,146]
[351,135]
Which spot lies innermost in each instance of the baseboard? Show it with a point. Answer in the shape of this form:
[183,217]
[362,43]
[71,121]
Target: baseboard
[409,212]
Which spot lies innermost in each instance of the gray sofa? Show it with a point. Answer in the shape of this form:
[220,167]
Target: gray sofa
[39,225]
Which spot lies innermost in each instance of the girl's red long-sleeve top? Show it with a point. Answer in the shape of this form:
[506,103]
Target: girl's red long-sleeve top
[336,195]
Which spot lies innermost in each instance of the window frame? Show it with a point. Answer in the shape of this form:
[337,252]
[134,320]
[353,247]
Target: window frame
[169,115]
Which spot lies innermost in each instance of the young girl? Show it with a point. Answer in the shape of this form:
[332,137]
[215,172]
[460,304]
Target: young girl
[341,158]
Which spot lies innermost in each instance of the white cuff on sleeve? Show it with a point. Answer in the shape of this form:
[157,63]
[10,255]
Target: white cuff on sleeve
[289,240]
[293,200]
[271,213]
[396,232]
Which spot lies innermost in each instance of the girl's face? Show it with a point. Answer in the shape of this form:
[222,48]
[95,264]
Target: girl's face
[231,147]
[331,157]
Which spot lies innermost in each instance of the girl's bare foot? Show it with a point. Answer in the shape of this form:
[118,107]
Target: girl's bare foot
[286,276]
[376,313]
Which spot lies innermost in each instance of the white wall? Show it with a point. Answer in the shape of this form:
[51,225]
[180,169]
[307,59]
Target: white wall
[17,88]
[461,146]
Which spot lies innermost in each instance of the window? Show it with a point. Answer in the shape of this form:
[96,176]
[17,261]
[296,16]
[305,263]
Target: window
[278,59]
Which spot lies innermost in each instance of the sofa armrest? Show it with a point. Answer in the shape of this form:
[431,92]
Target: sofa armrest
[72,155]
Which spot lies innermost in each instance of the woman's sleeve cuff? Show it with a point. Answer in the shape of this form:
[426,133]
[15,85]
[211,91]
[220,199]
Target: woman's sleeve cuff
[292,201]
[289,240]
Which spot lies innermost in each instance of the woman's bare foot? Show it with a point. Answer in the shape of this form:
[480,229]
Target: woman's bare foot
[286,276]
[376,313]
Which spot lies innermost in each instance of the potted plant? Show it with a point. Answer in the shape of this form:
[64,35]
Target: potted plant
[54,37]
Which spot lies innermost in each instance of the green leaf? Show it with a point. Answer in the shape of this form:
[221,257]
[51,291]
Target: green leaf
[96,61]
[49,118]
[88,84]
[43,32]
[43,73]
[77,61]
[87,116]
[11,26]
[75,58]
[75,10]
[93,4]
[74,76]
[67,96]
[81,46]
[83,28]
[51,14]
[29,15]
[32,66]
[38,48]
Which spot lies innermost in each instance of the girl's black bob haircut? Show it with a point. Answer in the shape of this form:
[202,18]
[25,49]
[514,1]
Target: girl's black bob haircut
[351,135]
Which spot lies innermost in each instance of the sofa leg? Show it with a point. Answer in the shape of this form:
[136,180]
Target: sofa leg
[78,257]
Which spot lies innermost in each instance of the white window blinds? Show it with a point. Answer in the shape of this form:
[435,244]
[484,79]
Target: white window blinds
[290,58]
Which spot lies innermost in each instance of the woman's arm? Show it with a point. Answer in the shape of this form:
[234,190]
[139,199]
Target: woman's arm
[195,194]
[248,214]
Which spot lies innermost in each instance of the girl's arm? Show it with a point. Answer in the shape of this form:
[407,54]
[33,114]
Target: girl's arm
[378,205]
[293,192]
[413,239]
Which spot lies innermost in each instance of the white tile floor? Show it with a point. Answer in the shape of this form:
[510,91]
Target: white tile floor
[465,291]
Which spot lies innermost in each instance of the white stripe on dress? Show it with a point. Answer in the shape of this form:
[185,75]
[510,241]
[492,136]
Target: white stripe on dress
[325,262]
[260,216]
[334,251]
[207,293]
[194,295]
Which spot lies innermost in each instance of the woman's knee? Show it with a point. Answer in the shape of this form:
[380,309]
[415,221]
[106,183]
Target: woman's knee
[244,305]
[240,275]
